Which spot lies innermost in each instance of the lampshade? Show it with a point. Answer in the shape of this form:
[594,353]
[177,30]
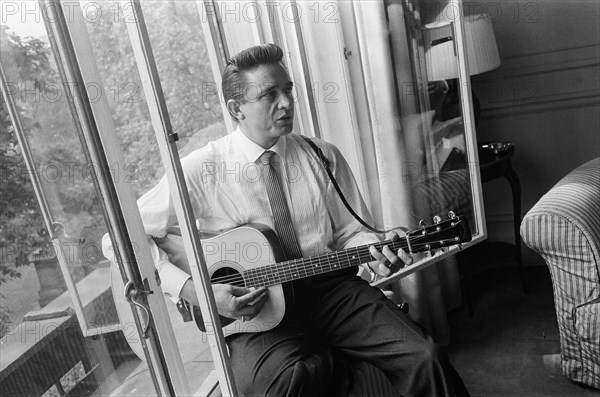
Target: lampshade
[482,52]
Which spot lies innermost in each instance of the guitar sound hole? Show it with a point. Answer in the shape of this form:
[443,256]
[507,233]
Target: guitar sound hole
[227,275]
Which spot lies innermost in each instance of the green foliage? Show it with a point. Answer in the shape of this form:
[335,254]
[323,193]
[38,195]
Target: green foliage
[21,225]
[20,219]
[186,78]
[189,87]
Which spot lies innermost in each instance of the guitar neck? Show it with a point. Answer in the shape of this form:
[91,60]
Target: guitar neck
[438,235]
[312,266]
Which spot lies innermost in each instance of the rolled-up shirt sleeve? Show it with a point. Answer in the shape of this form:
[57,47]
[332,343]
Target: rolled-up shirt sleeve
[158,216]
[171,276]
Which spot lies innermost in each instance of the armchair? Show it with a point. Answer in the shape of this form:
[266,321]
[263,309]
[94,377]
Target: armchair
[564,228]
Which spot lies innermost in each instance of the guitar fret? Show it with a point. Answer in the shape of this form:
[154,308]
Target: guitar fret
[294,271]
[248,279]
[310,269]
[305,274]
[282,274]
[265,276]
[289,271]
[347,257]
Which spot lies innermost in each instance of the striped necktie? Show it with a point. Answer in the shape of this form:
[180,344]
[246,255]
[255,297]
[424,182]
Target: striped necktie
[279,208]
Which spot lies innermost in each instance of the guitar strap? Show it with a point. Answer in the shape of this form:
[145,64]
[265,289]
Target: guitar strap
[327,165]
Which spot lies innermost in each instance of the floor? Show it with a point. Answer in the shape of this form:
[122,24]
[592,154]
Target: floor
[510,346]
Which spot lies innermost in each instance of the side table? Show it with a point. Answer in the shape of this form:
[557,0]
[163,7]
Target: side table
[487,255]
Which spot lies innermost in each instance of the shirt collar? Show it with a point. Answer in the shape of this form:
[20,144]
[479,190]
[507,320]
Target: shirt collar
[253,151]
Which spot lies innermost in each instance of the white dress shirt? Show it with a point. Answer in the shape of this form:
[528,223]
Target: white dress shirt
[226,191]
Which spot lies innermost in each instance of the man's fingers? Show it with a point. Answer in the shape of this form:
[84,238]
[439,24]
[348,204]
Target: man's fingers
[252,296]
[390,262]
[382,267]
[405,257]
[392,236]
[376,254]
[241,291]
[390,255]
[399,259]
[238,291]
[250,311]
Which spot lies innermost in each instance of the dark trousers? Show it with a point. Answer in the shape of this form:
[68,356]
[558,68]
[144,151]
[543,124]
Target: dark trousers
[334,322]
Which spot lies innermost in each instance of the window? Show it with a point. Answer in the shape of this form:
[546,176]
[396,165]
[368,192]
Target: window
[60,330]
[83,137]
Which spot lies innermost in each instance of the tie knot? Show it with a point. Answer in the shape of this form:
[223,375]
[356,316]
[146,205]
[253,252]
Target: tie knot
[266,157]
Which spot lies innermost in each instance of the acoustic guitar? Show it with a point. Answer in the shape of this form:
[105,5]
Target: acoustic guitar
[250,256]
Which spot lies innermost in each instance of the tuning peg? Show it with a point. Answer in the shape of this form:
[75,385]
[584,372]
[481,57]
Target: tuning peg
[451,214]
[437,220]
[428,248]
[423,224]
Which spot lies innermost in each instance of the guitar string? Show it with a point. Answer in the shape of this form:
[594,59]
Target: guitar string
[229,279]
[324,261]
[290,266]
[240,280]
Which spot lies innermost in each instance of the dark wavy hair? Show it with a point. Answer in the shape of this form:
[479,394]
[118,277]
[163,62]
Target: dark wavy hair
[233,81]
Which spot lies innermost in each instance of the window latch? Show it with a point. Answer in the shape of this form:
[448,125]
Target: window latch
[347,53]
[133,295]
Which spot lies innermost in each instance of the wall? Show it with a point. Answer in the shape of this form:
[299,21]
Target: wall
[545,98]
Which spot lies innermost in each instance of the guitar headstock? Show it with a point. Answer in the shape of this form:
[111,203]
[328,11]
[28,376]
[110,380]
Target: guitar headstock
[439,234]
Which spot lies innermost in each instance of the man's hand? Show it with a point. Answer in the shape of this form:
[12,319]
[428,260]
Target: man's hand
[234,302]
[386,261]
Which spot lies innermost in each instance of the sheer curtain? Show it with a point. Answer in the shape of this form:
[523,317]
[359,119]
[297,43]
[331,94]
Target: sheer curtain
[397,128]
[372,117]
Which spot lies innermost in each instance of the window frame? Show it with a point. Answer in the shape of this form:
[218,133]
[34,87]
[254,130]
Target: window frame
[164,360]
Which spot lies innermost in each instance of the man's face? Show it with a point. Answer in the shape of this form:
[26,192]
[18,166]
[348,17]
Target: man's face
[268,106]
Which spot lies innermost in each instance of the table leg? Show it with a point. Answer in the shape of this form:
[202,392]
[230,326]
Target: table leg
[515,186]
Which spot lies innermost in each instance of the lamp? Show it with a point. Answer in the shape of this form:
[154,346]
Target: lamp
[482,52]
[442,62]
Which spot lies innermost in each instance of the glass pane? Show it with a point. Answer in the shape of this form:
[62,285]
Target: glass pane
[194,102]
[442,173]
[46,350]
[193,96]
[66,176]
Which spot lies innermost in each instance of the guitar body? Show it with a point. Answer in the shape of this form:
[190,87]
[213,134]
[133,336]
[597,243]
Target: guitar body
[250,256]
[226,255]
[245,248]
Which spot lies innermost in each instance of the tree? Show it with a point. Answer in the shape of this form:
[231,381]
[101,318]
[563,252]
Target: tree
[189,87]
[21,224]
[181,55]
[36,90]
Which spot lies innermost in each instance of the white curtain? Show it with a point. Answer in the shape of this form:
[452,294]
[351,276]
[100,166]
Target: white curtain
[374,127]
[433,291]
[382,107]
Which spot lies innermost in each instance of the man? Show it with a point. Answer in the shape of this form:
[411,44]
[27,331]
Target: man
[333,317]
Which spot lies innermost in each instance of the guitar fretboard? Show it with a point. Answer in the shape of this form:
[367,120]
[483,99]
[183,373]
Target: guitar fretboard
[439,235]
[296,269]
